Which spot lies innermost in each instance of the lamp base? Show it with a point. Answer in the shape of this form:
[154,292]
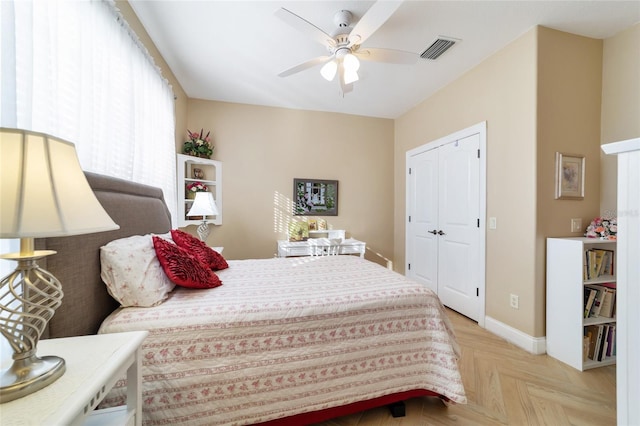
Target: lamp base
[203,230]
[29,375]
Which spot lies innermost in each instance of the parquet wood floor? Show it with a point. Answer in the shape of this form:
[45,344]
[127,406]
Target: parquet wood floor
[506,385]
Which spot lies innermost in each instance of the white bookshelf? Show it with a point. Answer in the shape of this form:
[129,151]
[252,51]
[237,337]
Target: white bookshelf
[565,299]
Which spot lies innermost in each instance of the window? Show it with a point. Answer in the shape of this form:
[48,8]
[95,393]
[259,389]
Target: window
[74,69]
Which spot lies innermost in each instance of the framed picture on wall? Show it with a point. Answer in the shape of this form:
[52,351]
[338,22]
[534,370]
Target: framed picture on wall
[569,176]
[315,197]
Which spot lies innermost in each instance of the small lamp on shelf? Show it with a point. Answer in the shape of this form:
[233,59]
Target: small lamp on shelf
[44,193]
[204,205]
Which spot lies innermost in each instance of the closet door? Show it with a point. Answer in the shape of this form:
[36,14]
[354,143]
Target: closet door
[423,219]
[443,234]
[458,226]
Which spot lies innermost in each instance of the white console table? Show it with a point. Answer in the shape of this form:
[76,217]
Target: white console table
[303,248]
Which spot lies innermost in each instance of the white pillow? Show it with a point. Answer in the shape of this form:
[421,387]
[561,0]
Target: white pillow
[132,272]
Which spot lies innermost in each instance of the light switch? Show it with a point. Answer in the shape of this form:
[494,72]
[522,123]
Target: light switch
[576,225]
[493,223]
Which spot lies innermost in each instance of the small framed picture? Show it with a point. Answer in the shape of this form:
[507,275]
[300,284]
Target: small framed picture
[313,225]
[298,231]
[322,225]
[569,176]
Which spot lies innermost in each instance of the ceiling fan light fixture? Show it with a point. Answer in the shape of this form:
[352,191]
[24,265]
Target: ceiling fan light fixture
[328,70]
[350,76]
[351,63]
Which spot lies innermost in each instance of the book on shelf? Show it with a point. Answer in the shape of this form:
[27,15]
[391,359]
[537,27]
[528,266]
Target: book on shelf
[589,297]
[595,335]
[597,302]
[603,304]
[586,339]
[598,262]
[607,263]
[612,336]
[607,309]
[599,342]
[602,348]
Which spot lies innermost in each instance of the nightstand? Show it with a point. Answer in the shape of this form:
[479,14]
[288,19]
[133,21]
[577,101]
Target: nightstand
[93,365]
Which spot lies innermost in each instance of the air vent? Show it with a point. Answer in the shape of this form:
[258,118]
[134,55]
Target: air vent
[438,47]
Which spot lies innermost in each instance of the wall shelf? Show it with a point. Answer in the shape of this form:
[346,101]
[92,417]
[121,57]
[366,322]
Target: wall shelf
[212,170]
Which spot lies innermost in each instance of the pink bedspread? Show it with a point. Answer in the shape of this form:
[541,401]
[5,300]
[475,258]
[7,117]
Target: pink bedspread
[289,335]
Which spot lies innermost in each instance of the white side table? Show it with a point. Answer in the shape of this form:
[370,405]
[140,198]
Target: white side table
[93,365]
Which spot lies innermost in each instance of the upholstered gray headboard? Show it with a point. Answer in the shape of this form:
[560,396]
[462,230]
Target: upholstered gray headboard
[138,209]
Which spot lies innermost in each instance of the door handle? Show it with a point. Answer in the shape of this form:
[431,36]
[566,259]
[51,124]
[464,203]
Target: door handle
[434,232]
[441,233]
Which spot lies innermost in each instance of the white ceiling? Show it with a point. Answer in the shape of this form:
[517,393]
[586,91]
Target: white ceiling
[233,50]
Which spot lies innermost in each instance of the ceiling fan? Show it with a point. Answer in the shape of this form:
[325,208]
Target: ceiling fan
[345,43]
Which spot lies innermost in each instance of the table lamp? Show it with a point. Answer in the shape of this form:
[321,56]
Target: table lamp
[43,193]
[204,205]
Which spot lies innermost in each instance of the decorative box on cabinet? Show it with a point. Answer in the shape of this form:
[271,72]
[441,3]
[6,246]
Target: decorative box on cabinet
[212,170]
[565,299]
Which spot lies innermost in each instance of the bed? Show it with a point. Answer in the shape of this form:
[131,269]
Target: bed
[281,341]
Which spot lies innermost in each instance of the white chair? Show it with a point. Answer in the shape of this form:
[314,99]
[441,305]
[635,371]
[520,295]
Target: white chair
[324,246]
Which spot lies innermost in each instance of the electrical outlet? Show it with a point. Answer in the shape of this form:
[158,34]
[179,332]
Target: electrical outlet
[576,225]
[514,302]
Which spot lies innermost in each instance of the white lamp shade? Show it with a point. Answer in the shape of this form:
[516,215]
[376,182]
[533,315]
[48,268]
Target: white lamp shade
[203,205]
[43,190]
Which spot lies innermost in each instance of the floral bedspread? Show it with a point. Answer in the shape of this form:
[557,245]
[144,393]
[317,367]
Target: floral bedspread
[285,336]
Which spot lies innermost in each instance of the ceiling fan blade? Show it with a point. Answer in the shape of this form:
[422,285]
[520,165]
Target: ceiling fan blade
[305,27]
[386,55]
[305,65]
[372,20]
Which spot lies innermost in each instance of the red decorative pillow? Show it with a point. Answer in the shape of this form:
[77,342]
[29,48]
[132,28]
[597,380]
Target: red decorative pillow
[182,268]
[205,254]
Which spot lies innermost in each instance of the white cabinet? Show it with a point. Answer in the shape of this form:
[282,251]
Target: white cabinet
[210,172]
[566,322]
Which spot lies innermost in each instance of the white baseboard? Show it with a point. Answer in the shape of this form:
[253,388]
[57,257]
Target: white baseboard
[534,345]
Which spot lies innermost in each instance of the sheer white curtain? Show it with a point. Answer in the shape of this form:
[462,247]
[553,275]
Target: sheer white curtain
[75,70]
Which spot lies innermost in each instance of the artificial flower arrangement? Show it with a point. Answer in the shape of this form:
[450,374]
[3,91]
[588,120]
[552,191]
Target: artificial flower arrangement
[605,228]
[197,145]
[194,187]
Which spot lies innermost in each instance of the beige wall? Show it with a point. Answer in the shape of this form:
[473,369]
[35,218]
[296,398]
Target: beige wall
[501,91]
[620,104]
[568,108]
[263,149]
[540,93]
